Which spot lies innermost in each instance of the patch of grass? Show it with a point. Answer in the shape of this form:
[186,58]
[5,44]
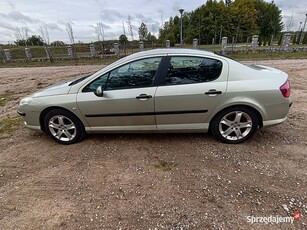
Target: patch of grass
[164,165]
[251,56]
[103,61]
[8,125]
[4,98]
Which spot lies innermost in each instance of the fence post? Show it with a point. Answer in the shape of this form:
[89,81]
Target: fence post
[93,50]
[285,42]
[167,43]
[255,40]
[195,43]
[7,54]
[224,45]
[70,52]
[116,49]
[141,45]
[28,54]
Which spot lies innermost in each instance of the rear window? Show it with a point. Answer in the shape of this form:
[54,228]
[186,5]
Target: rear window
[190,70]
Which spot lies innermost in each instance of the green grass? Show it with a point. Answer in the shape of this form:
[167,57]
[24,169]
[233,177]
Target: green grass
[8,125]
[104,61]
[4,98]
[164,165]
[251,56]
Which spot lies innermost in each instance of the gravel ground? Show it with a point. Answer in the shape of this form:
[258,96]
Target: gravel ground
[169,181]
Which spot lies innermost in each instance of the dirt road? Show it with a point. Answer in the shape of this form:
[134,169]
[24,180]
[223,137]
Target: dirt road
[171,181]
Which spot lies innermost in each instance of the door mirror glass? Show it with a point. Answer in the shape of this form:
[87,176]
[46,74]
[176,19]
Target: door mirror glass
[99,91]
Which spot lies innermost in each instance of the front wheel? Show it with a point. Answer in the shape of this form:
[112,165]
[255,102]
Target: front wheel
[234,125]
[63,126]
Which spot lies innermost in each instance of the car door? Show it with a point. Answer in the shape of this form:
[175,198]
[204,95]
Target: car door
[191,90]
[128,98]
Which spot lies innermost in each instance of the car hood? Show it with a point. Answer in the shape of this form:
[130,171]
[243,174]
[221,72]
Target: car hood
[57,89]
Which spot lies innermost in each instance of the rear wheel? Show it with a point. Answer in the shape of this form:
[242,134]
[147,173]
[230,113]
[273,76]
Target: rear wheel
[63,126]
[235,125]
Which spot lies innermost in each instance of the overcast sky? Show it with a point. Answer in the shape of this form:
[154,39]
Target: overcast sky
[84,16]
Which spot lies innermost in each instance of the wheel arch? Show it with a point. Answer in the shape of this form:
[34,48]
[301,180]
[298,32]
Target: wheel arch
[47,110]
[256,111]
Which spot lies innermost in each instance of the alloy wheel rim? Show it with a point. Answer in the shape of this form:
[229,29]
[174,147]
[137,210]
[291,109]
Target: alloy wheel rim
[235,125]
[62,128]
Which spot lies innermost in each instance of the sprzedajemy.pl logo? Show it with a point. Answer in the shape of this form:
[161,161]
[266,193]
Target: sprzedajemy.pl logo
[273,219]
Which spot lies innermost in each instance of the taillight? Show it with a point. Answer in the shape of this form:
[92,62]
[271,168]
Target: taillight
[285,89]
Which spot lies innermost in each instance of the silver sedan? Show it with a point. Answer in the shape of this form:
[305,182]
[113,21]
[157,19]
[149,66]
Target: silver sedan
[163,90]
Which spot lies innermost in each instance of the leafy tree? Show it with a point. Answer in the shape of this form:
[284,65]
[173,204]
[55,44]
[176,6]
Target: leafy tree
[228,2]
[34,40]
[305,39]
[151,38]
[233,18]
[57,43]
[143,31]
[269,19]
[123,39]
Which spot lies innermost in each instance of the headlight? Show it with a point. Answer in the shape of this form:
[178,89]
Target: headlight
[25,101]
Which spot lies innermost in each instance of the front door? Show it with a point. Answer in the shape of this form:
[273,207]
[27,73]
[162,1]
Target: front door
[128,99]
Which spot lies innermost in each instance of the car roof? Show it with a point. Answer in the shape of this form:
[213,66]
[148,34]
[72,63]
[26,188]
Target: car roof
[171,51]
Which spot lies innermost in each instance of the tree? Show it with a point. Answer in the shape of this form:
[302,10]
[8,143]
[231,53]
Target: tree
[123,39]
[99,30]
[143,32]
[34,40]
[44,33]
[228,2]
[21,35]
[229,18]
[57,43]
[130,27]
[70,32]
[151,38]
[269,19]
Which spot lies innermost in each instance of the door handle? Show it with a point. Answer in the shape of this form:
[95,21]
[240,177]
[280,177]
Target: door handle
[143,96]
[213,92]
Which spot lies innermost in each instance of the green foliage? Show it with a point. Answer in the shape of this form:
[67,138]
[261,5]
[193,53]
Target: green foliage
[164,165]
[280,39]
[294,39]
[238,19]
[4,98]
[9,125]
[143,32]
[151,38]
[123,39]
[31,41]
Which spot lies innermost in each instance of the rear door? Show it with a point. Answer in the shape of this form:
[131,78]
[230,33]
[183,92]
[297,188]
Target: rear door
[192,88]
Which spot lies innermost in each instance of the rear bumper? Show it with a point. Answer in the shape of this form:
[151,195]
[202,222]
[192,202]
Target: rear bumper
[274,122]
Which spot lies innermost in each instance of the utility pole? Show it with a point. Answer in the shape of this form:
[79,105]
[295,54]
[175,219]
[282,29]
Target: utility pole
[181,11]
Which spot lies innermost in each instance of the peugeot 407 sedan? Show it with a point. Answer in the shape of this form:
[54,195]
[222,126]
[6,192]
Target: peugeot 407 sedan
[163,90]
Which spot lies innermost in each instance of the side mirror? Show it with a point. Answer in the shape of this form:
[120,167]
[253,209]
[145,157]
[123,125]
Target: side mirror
[99,92]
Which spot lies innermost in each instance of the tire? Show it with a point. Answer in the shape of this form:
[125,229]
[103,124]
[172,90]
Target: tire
[235,124]
[63,126]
